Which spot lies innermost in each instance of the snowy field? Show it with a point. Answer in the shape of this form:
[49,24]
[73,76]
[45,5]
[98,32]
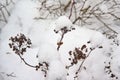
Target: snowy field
[66,51]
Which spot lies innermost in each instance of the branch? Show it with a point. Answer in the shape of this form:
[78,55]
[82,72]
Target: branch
[3,15]
[71,9]
[65,8]
[104,23]
[59,43]
[26,62]
[83,5]
[114,16]
[64,30]
[11,75]
[79,69]
[78,18]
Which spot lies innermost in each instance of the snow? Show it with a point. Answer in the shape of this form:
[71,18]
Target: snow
[44,45]
[57,71]
[118,37]
[62,22]
[103,8]
[115,61]
[97,39]
[47,53]
[1,77]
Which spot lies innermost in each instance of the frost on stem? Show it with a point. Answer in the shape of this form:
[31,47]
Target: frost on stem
[19,44]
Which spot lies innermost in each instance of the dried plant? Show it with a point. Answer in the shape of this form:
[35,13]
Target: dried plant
[78,12]
[80,54]
[19,44]
[81,14]
[63,30]
[76,55]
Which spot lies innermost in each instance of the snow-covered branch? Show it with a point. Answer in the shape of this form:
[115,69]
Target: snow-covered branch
[80,12]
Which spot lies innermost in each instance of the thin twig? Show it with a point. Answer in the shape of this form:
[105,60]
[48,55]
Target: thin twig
[78,18]
[114,16]
[26,62]
[3,15]
[71,9]
[7,11]
[104,24]
[11,75]
[61,40]
[66,6]
[83,5]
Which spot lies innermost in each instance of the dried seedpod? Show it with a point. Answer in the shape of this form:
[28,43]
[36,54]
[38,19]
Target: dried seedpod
[76,55]
[19,44]
[80,54]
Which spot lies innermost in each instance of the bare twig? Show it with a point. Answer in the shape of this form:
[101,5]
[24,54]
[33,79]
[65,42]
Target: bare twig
[7,11]
[26,62]
[11,75]
[78,18]
[5,19]
[84,2]
[61,41]
[4,11]
[66,6]
[114,16]
[73,2]
[104,24]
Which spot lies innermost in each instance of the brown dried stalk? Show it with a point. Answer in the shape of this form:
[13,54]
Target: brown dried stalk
[60,42]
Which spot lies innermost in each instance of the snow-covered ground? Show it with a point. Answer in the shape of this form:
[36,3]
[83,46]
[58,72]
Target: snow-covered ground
[101,64]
